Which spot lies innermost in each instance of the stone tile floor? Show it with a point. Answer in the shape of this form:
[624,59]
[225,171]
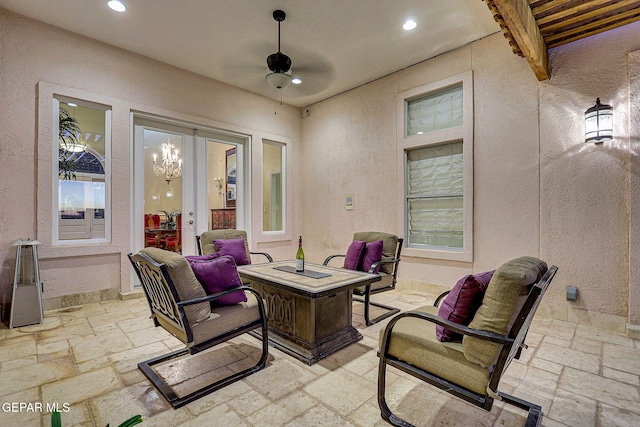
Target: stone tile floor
[84,360]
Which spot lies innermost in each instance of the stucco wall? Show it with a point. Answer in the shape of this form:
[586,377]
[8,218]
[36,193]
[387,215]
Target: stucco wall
[344,133]
[585,204]
[634,189]
[539,189]
[349,149]
[32,52]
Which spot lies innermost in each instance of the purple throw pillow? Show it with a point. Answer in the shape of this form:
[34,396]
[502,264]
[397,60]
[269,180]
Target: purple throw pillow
[234,248]
[219,274]
[206,257]
[462,303]
[372,254]
[354,255]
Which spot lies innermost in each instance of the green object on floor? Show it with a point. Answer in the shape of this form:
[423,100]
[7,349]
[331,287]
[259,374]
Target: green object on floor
[56,420]
[136,419]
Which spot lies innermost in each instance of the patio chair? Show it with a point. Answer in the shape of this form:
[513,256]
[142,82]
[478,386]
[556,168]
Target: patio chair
[470,369]
[179,304]
[387,268]
[206,245]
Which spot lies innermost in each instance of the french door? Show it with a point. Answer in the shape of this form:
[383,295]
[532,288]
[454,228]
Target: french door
[183,177]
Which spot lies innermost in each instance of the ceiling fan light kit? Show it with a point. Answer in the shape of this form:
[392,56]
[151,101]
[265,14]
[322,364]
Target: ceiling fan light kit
[278,80]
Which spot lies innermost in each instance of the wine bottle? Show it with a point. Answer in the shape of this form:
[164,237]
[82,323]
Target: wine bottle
[300,256]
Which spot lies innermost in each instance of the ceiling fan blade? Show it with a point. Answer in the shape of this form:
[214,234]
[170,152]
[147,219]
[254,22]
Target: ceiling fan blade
[316,72]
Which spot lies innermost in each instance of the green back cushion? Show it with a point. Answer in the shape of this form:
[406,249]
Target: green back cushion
[207,238]
[502,301]
[389,245]
[184,280]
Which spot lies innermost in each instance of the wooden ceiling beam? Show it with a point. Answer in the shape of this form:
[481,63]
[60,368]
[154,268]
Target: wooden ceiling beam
[596,27]
[534,26]
[576,14]
[557,6]
[518,18]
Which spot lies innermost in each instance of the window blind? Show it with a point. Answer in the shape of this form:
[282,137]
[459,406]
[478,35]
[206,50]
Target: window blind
[435,195]
[436,111]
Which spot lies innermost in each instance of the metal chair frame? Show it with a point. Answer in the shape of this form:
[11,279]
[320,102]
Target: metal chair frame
[512,345]
[167,308]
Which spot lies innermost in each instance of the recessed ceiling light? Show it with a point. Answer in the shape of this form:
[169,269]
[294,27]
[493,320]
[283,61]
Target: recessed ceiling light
[296,80]
[72,104]
[410,24]
[116,5]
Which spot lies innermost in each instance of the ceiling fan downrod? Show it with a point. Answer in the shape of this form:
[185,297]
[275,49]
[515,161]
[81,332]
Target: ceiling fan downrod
[279,62]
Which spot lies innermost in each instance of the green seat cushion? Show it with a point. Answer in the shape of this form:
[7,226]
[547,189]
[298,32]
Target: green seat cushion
[226,318]
[185,282]
[414,341]
[505,295]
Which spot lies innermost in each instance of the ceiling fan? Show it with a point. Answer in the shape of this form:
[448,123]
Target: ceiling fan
[278,62]
[246,63]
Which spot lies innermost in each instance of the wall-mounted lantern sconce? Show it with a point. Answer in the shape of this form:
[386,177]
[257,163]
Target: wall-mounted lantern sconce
[598,123]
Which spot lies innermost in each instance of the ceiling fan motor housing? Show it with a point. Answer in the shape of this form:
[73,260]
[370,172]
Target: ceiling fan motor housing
[279,62]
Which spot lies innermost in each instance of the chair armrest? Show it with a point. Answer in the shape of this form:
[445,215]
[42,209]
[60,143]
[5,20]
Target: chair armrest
[456,327]
[217,295]
[384,261]
[330,257]
[263,253]
[436,303]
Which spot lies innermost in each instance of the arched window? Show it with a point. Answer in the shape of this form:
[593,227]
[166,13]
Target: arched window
[85,162]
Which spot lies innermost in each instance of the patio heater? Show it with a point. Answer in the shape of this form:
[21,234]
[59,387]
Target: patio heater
[26,302]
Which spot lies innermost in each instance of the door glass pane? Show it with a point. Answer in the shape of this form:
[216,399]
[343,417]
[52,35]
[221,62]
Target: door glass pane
[163,189]
[82,156]
[221,175]
[272,186]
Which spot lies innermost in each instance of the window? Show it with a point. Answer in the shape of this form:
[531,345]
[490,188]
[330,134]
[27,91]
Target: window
[273,159]
[435,192]
[81,160]
[436,111]
[437,153]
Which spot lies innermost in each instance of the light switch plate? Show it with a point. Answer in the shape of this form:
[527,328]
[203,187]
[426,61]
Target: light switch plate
[348,202]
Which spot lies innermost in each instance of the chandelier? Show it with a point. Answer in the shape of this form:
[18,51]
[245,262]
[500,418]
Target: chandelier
[171,165]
